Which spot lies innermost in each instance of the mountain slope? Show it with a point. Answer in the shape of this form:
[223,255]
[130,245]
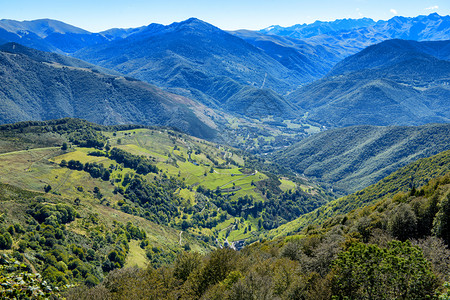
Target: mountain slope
[349,159]
[400,242]
[416,174]
[205,190]
[72,225]
[48,35]
[312,62]
[191,57]
[392,52]
[40,86]
[392,83]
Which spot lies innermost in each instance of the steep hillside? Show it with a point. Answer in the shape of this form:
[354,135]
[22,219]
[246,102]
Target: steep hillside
[416,174]
[257,103]
[40,86]
[392,83]
[391,53]
[66,223]
[312,62]
[352,158]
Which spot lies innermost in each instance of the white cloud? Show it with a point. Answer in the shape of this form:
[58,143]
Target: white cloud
[394,11]
[432,7]
[359,12]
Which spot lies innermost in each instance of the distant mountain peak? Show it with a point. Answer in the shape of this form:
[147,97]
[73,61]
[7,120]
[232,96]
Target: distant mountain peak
[318,27]
[193,20]
[41,27]
[194,23]
[435,14]
[190,25]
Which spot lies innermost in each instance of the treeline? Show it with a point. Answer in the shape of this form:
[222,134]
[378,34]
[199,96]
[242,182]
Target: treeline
[68,124]
[96,170]
[78,132]
[140,164]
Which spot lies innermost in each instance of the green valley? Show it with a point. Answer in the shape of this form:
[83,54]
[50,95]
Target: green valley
[132,195]
[395,231]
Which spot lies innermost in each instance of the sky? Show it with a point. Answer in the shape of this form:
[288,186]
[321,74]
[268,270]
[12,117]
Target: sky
[98,15]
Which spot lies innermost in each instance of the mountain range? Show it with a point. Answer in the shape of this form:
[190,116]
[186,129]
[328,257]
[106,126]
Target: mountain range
[304,31]
[352,158]
[200,61]
[191,58]
[258,74]
[351,36]
[396,82]
[37,85]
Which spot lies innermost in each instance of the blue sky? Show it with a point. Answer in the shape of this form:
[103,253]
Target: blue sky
[97,15]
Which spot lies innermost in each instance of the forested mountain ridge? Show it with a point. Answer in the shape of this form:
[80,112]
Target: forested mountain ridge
[310,61]
[40,86]
[395,82]
[198,60]
[412,176]
[391,53]
[261,70]
[352,158]
[48,35]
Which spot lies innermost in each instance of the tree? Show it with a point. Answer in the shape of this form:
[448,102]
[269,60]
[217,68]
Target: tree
[402,222]
[369,272]
[64,146]
[5,241]
[106,175]
[47,188]
[217,267]
[186,263]
[441,226]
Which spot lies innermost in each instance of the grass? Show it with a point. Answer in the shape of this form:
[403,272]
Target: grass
[287,185]
[187,195]
[159,145]
[23,168]
[81,154]
[136,256]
